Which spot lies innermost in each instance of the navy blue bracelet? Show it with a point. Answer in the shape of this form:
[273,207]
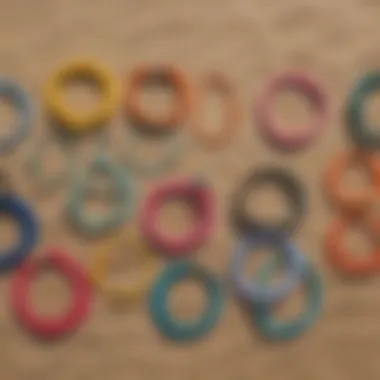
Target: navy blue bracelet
[17,209]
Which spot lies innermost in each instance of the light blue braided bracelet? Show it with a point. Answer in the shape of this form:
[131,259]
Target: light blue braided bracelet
[122,188]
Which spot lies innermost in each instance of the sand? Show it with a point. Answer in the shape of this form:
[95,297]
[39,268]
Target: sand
[248,41]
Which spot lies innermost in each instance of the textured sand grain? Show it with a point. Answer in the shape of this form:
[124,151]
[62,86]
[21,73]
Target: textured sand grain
[248,40]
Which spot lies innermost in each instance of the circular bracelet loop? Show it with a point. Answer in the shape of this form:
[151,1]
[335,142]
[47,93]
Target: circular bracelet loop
[132,291]
[82,121]
[174,147]
[199,196]
[20,100]
[17,209]
[181,105]
[292,188]
[232,112]
[361,133]
[346,201]
[48,181]
[44,326]
[343,260]
[123,191]
[254,291]
[273,328]
[169,325]
[269,126]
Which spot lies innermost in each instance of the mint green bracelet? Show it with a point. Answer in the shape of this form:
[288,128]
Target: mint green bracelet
[121,187]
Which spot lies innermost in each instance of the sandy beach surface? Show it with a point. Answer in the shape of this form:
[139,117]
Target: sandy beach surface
[248,41]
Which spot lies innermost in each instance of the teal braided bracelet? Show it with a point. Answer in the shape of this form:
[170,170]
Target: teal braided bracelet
[361,132]
[122,189]
[167,323]
[273,328]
